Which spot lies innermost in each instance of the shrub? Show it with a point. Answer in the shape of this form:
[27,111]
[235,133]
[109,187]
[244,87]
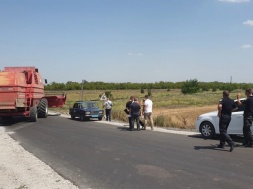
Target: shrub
[160,121]
[149,92]
[214,89]
[108,94]
[119,115]
[190,87]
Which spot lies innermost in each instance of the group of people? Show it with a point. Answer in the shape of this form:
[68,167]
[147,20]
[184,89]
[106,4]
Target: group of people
[136,109]
[225,109]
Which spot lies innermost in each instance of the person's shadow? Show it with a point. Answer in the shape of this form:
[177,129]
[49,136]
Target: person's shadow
[214,147]
[211,147]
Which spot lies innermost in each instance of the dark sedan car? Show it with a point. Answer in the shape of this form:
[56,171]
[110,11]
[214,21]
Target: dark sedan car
[86,110]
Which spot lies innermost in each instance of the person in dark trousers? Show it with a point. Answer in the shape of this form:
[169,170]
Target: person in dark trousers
[135,109]
[108,108]
[128,109]
[225,108]
[247,117]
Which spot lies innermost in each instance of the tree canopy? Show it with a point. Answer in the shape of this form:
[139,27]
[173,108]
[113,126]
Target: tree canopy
[189,84]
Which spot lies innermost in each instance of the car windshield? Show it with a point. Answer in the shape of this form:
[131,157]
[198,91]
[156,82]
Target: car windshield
[89,105]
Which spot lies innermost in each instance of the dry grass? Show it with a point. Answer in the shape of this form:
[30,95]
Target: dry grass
[182,117]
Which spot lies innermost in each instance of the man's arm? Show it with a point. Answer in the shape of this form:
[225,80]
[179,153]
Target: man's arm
[234,109]
[219,109]
[129,109]
[239,103]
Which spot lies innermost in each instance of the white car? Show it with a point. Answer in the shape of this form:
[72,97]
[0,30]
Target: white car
[208,124]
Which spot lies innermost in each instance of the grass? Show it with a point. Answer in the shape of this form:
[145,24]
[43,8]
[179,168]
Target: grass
[171,108]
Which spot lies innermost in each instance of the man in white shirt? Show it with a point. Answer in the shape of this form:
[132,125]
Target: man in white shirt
[108,107]
[148,106]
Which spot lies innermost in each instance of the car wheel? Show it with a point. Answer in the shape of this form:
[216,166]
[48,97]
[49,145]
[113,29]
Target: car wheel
[72,116]
[207,130]
[100,118]
[82,118]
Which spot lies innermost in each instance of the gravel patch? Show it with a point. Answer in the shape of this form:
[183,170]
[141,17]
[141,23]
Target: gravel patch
[20,169]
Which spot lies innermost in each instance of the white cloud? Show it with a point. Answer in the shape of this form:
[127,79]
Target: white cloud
[248,22]
[235,1]
[135,54]
[246,46]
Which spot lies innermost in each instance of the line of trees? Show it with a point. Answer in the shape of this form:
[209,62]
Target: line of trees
[189,86]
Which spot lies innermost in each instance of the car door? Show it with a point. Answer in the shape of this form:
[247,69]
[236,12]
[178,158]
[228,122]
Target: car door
[236,124]
[79,110]
[75,107]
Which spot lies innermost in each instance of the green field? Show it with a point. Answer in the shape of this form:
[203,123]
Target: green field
[171,108]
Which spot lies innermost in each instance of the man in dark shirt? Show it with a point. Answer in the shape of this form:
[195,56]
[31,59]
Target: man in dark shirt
[225,108]
[135,109]
[128,109]
[247,117]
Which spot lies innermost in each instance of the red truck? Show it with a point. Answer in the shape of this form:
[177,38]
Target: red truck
[22,93]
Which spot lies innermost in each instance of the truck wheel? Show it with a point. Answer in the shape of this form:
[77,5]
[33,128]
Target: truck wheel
[43,108]
[33,114]
[6,118]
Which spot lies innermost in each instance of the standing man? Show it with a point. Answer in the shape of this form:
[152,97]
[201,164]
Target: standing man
[108,108]
[148,106]
[135,110]
[225,108]
[128,108]
[247,117]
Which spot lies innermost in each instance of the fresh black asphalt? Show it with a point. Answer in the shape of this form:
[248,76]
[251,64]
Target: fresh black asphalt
[101,156]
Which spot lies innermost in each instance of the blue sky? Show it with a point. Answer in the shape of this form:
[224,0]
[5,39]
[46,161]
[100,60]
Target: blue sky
[129,40]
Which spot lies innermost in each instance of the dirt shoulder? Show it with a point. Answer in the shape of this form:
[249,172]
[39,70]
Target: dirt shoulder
[22,170]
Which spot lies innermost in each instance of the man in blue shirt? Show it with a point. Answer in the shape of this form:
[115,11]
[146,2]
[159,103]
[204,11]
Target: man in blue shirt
[135,109]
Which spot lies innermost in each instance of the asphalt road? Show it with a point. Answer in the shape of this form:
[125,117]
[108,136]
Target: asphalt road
[99,156]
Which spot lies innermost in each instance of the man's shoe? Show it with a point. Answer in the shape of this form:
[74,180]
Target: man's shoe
[220,146]
[249,145]
[232,147]
[245,143]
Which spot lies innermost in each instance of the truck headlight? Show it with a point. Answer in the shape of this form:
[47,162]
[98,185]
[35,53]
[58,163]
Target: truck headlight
[100,112]
[87,112]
